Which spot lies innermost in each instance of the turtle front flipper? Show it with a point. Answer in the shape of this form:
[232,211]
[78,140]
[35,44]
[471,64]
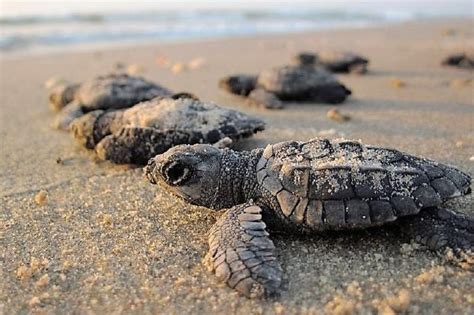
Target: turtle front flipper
[241,84]
[261,97]
[136,145]
[242,254]
[439,228]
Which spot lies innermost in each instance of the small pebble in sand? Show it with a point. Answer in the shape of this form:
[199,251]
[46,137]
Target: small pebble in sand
[68,264]
[34,301]
[52,82]
[460,83]
[340,306]
[327,132]
[471,158]
[397,83]
[177,68]
[42,281]
[196,63]
[435,274]
[354,289]
[36,265]
[119,66]
[279,309]
[105,220]
[41,198]
[23,272]
[162,61]
[180,281]
[463,260]
[59,161]
[459,144]
[395,304]
[135,69]
[448,32]
[336,115]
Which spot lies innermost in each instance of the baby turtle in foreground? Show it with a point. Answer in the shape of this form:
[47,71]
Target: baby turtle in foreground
[460,60]
[311,186]
[334,61]
[288,83]
[113,91]
[136,134]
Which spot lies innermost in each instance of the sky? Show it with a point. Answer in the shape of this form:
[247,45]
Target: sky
[31,7]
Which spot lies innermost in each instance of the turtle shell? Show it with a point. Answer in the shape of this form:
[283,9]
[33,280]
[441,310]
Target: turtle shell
[294,82]
[207,121]
[116,91]
[324,184]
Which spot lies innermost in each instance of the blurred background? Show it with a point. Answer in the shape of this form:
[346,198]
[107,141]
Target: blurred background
[28,26]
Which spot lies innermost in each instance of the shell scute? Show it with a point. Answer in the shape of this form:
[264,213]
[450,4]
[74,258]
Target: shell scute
[357,212]
[331,183]
[287,202]
[334,212]
[381,211]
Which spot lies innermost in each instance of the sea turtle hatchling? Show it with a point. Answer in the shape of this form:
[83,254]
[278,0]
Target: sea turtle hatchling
[334,61]
[287,83]
[136,134]
[461,60]
[112,91]
[311,186]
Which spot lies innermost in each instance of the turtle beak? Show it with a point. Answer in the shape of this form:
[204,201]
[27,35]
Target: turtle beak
[149,170]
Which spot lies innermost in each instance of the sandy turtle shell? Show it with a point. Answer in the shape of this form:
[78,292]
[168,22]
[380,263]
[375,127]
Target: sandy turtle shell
[113,91]
[136,134]
[293,82]
[323,184]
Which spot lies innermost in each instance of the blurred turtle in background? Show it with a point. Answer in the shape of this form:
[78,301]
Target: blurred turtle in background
[334,61]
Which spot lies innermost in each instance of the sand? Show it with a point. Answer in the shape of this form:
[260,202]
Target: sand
[79,236]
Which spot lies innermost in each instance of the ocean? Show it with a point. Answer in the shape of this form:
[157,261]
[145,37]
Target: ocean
[37,28]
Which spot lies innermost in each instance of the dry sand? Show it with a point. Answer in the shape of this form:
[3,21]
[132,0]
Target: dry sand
[82,236]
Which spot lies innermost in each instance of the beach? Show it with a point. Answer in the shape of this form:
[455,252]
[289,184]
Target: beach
[82,236]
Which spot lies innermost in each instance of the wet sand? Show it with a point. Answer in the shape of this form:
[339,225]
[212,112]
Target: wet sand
[101,239]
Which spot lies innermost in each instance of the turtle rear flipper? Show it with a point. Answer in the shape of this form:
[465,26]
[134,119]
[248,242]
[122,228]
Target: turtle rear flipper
[242,254]
[439,228]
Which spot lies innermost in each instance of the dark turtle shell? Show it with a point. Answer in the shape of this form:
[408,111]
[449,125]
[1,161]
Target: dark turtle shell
[324,184]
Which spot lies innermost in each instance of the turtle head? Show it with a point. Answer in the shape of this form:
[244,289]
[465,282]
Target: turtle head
[305,59]
[61,94]
[240,84]
[188,171]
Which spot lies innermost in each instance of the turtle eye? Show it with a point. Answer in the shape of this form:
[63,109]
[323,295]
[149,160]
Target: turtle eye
[176,173]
